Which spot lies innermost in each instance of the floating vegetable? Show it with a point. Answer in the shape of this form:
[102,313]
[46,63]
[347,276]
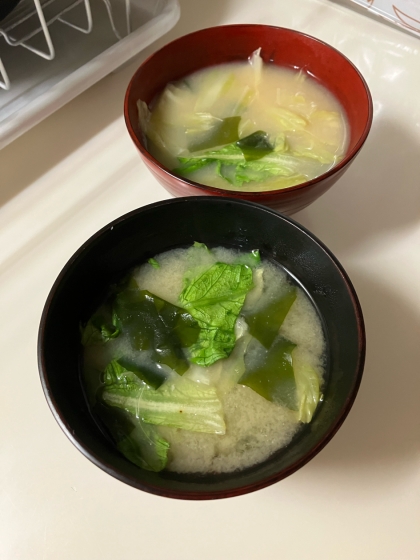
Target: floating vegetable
[246,125]
[212,380]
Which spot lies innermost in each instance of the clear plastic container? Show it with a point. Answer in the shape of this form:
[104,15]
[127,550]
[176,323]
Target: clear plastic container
[38,86]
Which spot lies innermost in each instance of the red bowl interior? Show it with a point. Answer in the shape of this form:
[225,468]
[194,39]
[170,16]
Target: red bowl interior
[280,46]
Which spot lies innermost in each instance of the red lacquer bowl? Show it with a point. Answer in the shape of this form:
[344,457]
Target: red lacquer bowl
[232,43]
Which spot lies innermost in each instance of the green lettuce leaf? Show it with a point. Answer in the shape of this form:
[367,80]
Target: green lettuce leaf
[215,299]
[307,145]
[307,386]
[148,371]
[229,154]
[115,373]
[288,120]
[198,123]
[213,90]
[198,245]
[139,442]
[233,368]
[231,165]
[179,403]
[100,328]
[145,447]
[154,263]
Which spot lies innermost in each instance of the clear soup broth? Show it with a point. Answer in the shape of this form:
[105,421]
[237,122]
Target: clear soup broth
[246,126]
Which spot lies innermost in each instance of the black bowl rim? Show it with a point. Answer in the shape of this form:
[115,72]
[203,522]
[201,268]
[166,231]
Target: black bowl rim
[252,195]
[207,494]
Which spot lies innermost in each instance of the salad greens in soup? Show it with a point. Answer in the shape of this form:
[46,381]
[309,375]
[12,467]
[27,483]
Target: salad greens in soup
[203,361]
[246,126]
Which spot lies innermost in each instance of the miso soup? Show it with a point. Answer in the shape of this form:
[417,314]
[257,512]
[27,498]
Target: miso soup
[246,126]
[204,361]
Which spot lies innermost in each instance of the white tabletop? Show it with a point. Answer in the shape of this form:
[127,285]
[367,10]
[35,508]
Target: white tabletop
[78,170]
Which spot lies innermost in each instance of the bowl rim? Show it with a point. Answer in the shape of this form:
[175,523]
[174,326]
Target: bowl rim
[207,494]
[250,195]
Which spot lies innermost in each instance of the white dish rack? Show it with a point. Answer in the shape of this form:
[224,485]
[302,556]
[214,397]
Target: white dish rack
[52,50]
[28,19]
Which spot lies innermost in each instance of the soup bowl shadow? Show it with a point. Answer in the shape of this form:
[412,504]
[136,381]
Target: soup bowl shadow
[132,239]
[234,43]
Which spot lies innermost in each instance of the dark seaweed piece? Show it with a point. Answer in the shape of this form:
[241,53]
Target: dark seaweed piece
[223,133]
[272,376]
[152,323]
[255,146]
[265,324]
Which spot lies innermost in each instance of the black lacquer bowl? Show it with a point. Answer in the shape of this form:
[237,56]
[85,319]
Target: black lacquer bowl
[143,233]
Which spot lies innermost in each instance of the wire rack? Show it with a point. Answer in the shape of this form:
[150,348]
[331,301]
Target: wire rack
[35,86]
[28,25]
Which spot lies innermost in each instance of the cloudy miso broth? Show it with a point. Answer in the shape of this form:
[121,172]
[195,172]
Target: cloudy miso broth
[176,361]
[246,126]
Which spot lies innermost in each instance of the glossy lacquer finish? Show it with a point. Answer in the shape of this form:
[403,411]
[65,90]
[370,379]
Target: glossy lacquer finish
[141,234]
[232,43]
